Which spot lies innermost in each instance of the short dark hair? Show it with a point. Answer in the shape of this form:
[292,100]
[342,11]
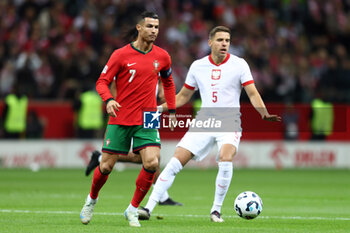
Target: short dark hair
[219,29]
[131,33]
[147,14]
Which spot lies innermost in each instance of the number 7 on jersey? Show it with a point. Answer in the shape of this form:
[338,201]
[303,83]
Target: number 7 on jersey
[132,72]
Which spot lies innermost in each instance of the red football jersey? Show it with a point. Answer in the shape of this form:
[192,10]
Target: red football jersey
[136,75]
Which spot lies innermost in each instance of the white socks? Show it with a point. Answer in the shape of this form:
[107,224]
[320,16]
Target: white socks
[165,180]
[132,208]
[167,177]
[164,197]
[223,180]
[90,200]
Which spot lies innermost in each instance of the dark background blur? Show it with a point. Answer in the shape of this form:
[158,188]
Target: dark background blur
[297,50]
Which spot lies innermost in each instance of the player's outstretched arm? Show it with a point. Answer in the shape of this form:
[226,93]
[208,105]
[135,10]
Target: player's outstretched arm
[181,98]
[258,103]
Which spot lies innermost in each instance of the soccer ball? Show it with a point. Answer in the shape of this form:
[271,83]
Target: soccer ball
[248,205]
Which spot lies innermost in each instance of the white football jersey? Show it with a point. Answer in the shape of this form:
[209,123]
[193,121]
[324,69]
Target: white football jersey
[219,85]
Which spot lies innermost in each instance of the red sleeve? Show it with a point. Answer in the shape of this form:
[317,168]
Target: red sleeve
[169,91]
[109,71]
[168,84]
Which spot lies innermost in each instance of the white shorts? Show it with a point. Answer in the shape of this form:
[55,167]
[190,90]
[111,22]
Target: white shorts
[200,144]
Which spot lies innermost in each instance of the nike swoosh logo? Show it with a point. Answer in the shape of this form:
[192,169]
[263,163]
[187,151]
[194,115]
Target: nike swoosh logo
[162,179]
[214,84]
[131,64]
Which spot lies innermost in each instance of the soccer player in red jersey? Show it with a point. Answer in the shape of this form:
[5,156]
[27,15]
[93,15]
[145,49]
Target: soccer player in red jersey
[136,67]
[132,157]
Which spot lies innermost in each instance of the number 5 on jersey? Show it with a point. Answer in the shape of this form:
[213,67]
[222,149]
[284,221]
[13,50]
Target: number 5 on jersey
[215,96]
[132,72]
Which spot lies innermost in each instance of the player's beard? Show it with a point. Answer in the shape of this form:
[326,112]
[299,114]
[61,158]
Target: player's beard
[152,38]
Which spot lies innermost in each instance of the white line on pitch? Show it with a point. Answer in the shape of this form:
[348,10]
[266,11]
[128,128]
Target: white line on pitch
[168,215]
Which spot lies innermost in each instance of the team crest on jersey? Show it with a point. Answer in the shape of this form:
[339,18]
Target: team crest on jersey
[215,74]
[108,141]
[156,65]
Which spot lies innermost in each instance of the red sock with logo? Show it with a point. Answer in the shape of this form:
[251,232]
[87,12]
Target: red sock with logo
[98,181]
[143,183]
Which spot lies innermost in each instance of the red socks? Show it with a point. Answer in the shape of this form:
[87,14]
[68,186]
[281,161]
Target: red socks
[98,181]
[143,184]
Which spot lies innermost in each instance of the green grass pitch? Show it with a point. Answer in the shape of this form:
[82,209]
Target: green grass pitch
[50,200]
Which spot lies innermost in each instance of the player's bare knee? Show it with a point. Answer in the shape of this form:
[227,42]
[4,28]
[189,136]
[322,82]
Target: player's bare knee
[227,152]
[225,159]
[151,164]
[183,155]
[106,168]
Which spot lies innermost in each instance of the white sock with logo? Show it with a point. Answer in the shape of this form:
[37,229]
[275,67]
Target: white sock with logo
[165,180]
[223,180]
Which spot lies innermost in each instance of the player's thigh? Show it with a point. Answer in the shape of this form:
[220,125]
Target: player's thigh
[117,139]
[147,143]
[131,157]
[199,144]
[227,145]
[143,138]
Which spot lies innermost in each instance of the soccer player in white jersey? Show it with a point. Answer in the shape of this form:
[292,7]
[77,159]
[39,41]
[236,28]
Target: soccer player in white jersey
[219,78]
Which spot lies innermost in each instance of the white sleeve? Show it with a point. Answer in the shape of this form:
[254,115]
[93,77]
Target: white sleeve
[190,81]
[246,75]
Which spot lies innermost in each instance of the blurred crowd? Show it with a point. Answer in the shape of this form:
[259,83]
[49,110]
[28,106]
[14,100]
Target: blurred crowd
[297,49]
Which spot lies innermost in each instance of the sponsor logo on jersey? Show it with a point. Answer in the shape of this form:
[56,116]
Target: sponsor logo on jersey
[215,74]
[151,120]
[105,69]
[131,64]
